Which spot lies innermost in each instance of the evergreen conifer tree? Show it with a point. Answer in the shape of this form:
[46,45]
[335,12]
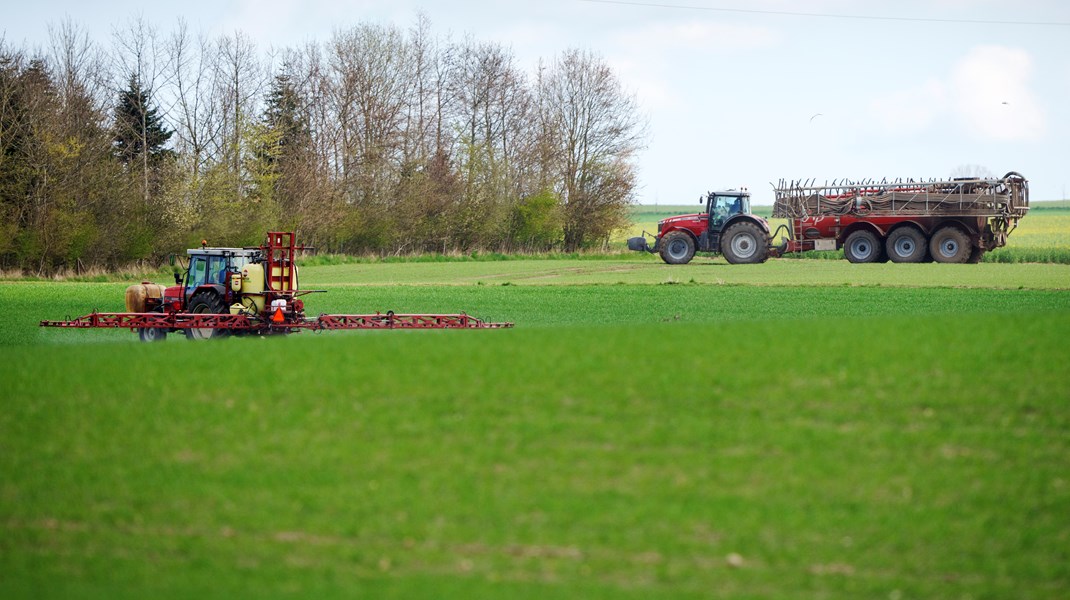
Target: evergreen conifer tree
[139,126]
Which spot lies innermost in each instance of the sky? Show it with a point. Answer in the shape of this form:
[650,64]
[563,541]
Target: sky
[735,93]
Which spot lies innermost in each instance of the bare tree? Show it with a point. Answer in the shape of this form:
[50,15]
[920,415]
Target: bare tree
[371,74]
[491,109]
[191,64]
[239,82]
[597,130]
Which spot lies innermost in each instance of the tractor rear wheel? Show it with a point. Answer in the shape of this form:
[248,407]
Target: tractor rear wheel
[206,303]
[677,248]
[907,245]
[745,243]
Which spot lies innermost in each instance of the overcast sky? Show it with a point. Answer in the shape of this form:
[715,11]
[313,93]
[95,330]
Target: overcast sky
[743,96]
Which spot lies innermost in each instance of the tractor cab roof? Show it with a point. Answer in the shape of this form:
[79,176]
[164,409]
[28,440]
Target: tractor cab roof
[246,252]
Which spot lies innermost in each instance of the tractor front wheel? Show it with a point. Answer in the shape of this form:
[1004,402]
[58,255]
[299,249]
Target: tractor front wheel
[206,303]
[677,248]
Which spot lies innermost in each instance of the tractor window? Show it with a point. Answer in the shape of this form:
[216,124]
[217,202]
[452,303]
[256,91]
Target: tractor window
[217,269]
[196,272]
[726,206]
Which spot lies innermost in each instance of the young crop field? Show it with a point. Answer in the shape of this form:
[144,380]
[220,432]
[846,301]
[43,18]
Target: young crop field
[799,429]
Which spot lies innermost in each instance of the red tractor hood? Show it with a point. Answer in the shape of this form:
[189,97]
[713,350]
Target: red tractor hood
[695,222]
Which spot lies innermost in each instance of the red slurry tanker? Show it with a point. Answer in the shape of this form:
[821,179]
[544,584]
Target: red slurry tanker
[947,221]
[244,291]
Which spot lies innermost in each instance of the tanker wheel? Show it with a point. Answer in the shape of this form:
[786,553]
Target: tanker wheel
[745,243]
[950,245]
[206,303]
[975,256]
[862,247]
[906,245]
[677,248]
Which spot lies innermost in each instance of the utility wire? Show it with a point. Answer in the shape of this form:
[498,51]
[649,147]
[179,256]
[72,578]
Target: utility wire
[827,15]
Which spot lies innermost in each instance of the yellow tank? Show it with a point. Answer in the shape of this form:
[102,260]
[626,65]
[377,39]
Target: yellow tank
[252,287]
[137,294]
[281,274]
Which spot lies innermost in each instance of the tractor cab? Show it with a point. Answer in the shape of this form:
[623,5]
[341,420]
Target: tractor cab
[208,275]
[209,266]
[726,227]
[722,206]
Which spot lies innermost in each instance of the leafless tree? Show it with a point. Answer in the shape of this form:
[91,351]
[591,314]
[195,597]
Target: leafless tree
[191,65]
[371,77]
[239,80]
[597,130]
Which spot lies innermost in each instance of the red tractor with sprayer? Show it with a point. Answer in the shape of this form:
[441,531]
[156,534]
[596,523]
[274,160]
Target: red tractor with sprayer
[245,291]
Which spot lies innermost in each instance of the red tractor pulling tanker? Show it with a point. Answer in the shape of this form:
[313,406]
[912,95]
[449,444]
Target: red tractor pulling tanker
[240,291]
[947,221]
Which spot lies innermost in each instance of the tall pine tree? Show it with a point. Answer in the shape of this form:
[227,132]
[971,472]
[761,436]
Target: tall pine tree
[139,143]
[139,126]
[283,150]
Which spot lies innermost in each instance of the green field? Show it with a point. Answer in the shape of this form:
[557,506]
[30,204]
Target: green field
[799,429]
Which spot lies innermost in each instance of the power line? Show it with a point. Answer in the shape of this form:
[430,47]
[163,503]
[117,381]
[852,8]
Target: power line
[827,15]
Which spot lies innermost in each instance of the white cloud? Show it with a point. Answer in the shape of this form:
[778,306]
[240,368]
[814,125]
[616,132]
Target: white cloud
[987,95]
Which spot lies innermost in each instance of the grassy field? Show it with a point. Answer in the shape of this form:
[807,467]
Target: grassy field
[800,429]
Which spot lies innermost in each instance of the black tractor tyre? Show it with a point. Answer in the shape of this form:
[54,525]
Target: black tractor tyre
[906,245]
[863,246]
[677,248]
[745,244]
[975,256]
[152,334]
[206,302]
[950,245]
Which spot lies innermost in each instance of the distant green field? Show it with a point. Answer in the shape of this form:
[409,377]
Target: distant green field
[799,429]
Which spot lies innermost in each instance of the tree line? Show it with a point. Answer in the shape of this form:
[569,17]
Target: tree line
[380,140]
